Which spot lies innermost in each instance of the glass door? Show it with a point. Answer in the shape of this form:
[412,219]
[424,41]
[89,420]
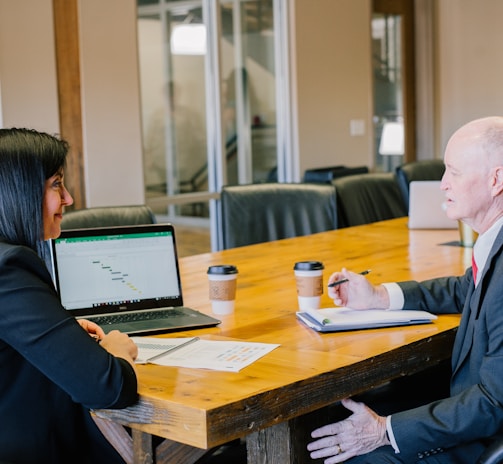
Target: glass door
[248,90]
[172,49]
[394,88]
[209,102]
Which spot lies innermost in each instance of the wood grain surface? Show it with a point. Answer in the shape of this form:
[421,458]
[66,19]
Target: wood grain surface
[203,408]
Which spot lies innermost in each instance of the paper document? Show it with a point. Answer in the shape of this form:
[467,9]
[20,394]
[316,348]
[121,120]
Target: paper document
[231,356]
[339,319]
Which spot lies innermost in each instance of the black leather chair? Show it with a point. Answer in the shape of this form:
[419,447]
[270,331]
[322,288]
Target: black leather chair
[256,213]
[328,174]
[108,216]
[417,170]
[366,198]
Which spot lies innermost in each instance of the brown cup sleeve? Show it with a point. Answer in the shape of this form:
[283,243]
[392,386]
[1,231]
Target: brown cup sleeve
[309,286]
[222,290]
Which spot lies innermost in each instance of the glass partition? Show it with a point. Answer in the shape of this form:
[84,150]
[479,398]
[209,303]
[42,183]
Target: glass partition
[172,48]
[388,94]
[209,95]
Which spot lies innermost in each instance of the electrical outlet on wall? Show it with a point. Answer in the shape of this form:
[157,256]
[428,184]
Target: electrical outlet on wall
[356,127]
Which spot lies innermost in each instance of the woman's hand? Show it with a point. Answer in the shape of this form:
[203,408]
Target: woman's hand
[93,329]
[116,343]
[119,344]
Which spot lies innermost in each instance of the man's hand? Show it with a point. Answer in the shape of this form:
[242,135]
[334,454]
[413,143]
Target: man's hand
[360,433]
[357,292]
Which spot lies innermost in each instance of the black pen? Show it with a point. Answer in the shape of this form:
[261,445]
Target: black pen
[338,282]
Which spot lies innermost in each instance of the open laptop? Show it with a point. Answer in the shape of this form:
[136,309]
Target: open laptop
[125,278]
[426,206]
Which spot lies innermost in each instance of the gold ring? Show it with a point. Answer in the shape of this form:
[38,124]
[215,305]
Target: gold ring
[340,449]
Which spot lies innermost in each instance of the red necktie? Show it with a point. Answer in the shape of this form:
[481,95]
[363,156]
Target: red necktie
[474,269]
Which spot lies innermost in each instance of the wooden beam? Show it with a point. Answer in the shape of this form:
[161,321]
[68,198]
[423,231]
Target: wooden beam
[66,32]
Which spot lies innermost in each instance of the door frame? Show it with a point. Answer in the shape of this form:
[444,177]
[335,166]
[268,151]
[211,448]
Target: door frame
[405,9]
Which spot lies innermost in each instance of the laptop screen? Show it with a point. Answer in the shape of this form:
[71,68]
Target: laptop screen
[426,209]
[105,270]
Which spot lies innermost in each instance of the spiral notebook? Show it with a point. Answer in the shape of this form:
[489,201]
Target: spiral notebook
[125,278]
[341,319]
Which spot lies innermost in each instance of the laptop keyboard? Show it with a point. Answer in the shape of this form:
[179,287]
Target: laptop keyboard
[139,316]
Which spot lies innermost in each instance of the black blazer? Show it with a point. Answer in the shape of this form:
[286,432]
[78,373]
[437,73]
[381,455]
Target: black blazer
[52,371]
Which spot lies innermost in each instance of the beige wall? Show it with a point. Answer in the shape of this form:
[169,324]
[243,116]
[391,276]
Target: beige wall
[469,63]
[110,89]
[334,81]
[28,88]
[111,103]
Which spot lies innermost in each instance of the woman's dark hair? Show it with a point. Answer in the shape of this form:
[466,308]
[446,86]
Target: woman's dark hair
[27,159]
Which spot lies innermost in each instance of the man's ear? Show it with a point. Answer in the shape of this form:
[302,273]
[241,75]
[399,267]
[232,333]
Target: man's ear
[497,186]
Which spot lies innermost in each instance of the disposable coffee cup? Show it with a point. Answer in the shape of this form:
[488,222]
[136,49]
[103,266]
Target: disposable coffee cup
[222,285]
[309,281]
[467,236]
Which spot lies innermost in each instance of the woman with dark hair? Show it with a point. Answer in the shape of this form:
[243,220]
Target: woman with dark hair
[53,371]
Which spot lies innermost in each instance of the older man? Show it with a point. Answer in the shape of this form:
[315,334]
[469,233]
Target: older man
[455,429]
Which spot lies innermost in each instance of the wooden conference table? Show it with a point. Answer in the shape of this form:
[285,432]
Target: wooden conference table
[196,409]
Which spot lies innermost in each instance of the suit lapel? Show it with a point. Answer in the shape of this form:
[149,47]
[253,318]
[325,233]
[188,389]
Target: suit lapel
[472,308]
[464,337]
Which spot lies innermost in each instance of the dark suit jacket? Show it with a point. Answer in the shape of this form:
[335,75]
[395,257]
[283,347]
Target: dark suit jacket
[474,410]
[52,371]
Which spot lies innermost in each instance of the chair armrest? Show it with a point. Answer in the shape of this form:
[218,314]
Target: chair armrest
[493,454]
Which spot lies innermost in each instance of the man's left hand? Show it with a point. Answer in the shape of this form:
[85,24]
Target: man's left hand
[360,433]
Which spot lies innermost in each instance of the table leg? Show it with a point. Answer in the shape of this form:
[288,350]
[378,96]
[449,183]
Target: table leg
[138,448]
[142,447]
[271,445]
[286,442]
[172,452]
[117,436]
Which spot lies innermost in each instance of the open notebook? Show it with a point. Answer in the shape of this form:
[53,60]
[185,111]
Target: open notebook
[125,278]
[340,319]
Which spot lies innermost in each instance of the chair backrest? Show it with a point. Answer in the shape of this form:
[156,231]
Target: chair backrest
[366,198]
[327,174]
[417,170]
[108,216]
[255,213]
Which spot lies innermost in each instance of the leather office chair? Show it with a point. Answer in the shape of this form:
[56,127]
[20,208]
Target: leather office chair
[255,213]
[366,198]
[328,174]
[417,170]
[108,216]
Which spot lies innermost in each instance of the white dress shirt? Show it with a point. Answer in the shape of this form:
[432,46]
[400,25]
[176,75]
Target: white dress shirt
[483,246]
